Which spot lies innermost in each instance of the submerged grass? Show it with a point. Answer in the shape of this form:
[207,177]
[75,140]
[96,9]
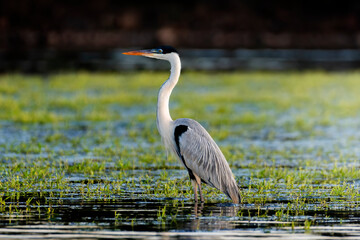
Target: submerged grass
[291,139]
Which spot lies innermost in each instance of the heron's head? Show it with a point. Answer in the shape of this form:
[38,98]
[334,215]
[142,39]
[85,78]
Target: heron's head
[163,52]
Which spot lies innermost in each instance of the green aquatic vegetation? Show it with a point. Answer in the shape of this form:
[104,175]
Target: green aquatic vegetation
[291,139]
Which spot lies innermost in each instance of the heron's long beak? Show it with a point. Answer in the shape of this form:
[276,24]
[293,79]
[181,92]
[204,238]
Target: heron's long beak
[140,53]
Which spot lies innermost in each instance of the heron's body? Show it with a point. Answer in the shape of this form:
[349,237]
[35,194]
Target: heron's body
[187,139]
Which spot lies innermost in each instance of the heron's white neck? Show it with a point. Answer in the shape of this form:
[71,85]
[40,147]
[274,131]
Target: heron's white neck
[163,114]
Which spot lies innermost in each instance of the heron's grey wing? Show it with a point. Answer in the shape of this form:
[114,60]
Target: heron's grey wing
[203,157]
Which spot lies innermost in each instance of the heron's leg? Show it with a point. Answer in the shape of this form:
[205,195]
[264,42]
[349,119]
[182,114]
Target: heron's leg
[198,182]
[195,185]
[201,195]
[198,209]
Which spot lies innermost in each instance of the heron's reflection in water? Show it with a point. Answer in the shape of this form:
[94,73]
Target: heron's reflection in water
[213,216]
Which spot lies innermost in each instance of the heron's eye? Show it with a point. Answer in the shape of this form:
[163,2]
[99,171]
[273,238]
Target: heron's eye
[157,50]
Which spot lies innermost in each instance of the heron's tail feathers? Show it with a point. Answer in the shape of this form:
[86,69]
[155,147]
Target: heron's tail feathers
[233,192]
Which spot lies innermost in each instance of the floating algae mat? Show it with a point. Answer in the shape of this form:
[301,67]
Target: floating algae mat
[80,156]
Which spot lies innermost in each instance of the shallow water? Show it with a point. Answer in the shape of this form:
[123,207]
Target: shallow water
[139,216]
[299,176]
[140,219]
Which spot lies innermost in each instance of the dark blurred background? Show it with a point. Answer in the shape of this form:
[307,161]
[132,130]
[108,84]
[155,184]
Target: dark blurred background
[51,35]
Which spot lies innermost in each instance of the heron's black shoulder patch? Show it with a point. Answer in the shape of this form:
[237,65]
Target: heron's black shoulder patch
[179,130]
[167,49]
